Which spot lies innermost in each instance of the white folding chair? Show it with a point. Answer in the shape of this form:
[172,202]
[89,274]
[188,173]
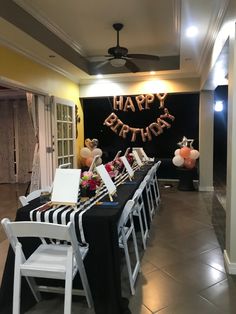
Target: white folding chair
[139,211]
[50,260]
[26,199]
[125,232]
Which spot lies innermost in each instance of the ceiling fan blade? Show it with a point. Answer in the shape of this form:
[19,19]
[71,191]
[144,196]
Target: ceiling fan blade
[97,58]
[131,66]
[99,65]
[142,56]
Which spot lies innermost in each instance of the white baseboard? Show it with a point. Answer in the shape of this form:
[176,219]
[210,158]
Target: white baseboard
[206,188]
[171,180]
[230,267]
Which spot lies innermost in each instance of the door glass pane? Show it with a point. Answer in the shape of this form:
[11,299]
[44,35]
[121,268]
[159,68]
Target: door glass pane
[59,112]
[70,114]
[60,161]
[71,161]
[59,130]
[65,148]
[70,135]
[65,130]
[60,151]
[64,113]
[70,148]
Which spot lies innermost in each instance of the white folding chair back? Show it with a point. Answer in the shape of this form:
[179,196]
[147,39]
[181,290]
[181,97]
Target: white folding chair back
[117,154]
[125,232]
[140,212]
[26,199]
[149,194]
[153,187]
[50,260]
[155,181]
[65,166]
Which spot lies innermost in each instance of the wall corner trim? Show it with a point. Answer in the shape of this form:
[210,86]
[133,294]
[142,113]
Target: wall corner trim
[206,188]
[230,267]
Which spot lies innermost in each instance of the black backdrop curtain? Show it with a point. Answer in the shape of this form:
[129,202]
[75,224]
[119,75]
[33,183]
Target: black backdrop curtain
[184,107]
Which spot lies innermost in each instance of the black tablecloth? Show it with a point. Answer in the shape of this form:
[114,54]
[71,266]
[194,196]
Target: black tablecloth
[102,262]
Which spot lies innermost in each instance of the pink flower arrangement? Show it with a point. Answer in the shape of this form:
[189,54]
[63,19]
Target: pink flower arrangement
[130,159]
[111,169]
[89,180]
[118,164]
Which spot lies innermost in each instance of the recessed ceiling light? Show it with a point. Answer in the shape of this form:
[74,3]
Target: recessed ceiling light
[191,31]
[99,76]
[152,72]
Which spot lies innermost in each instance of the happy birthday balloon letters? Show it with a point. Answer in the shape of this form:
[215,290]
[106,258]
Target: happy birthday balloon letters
[143,102]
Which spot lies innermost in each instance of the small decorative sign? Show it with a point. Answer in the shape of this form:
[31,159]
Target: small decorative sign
[66,186]
[127,166]
[106,180]
[137,158]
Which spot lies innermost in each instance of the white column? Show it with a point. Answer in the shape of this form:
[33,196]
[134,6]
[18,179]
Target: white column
[206,132]
[230,251]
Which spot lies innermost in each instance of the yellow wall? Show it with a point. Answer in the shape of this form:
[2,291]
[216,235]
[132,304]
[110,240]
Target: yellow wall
[26,73]
[146,85]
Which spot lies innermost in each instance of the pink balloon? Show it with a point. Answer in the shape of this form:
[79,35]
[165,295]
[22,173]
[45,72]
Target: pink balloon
[88,161]
[185,152]
[189,163]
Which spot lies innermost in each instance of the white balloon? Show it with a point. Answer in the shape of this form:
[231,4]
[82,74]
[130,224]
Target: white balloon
[99,161]
[177,152]
[178,161]
[97,151]
[194,154]
[85,152]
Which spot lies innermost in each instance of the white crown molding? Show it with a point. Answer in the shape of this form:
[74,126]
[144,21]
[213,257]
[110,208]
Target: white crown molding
[212,32]
[39,60]
[38,15]
[177,17]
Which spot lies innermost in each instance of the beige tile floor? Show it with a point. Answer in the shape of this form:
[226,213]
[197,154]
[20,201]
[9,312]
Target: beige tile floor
[182,269]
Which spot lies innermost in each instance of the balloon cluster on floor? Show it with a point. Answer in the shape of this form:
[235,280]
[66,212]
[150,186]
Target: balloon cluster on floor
[186,155]
[90,150]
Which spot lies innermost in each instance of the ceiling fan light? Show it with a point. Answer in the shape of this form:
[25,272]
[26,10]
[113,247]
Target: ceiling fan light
[117,62]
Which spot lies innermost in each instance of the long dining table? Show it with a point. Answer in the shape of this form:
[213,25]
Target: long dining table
[102,262]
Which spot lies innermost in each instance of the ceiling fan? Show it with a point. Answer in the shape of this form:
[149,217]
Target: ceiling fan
[118,56]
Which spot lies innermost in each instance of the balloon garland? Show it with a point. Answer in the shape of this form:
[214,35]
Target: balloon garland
[186,155]
[143,102]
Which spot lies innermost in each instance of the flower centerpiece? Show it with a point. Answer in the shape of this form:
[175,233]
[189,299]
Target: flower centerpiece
[130,159]
[110,168]
[89,183]
[118,164]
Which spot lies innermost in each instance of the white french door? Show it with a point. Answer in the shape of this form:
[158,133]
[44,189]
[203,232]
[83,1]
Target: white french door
[63,132]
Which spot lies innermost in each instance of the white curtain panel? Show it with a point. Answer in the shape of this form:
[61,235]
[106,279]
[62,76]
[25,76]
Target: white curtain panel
[7,172]
[33,112]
